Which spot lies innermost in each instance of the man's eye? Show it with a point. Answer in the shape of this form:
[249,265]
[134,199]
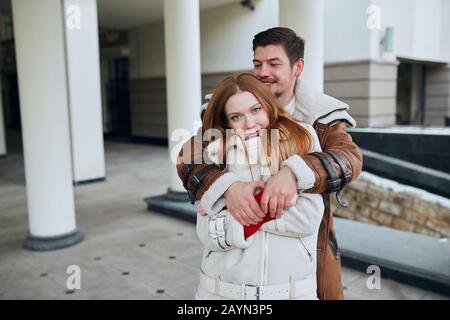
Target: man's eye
[257,65]
[275,64]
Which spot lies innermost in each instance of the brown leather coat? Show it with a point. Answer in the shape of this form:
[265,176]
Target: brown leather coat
[333,137]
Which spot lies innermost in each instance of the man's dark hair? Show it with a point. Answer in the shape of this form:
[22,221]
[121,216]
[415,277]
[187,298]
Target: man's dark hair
[293,45]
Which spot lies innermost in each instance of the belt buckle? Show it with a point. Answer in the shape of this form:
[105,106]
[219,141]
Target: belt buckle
[257,293]
[334,185]
[347,177]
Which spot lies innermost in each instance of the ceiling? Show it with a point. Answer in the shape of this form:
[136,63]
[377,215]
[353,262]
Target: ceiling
[120,14]
[125,14]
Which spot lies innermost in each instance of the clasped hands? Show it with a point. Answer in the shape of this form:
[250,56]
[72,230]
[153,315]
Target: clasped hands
[280,193]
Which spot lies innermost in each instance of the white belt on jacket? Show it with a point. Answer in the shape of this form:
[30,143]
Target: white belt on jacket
[307,287]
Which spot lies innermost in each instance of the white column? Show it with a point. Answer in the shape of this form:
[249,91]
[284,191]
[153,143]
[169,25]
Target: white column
[306,18]
[182,45]
[39,39]
[2,124]
[85,103]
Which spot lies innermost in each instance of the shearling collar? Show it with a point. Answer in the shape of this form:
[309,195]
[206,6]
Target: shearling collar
[312,105]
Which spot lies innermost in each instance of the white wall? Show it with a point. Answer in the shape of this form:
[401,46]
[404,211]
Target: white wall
[226,39]
[346,36]
[420,29]
[427,29]
[445,38]
[227,33]
[400,15]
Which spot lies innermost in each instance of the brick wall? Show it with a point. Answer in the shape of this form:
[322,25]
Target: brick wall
[386,203]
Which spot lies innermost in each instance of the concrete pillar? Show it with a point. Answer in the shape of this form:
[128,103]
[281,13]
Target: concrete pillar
[2,124]
[182,45]
[39,39]
[83,85]
[306,18]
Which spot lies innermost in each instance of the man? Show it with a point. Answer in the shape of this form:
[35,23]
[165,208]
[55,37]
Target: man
[278,62]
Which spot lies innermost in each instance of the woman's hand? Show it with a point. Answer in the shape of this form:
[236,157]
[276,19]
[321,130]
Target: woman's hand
[279,193]
[241,203]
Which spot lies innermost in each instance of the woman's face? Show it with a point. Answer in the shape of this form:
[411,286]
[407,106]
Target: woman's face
[244,113]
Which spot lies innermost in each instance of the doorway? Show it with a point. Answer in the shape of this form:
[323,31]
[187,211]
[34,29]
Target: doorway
[11,101]
[410,109]
[118,98]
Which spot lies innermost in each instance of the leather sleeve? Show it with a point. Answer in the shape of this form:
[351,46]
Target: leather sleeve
[334,138]
[192,153]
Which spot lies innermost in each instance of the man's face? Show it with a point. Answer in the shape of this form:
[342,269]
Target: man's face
[271,65]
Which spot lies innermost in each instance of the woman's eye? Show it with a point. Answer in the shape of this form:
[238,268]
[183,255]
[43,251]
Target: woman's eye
[235,118]
[256,110]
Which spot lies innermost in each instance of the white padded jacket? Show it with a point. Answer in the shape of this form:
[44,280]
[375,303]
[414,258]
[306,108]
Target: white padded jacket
[279,260]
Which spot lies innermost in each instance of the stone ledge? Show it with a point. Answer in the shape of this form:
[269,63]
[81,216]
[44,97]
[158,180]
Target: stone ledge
[407,173]
[333,64]
[163,204]
[407,257]
[37,243]
[414,259]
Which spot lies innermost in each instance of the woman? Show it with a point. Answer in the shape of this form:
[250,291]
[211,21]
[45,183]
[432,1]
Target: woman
[278,261]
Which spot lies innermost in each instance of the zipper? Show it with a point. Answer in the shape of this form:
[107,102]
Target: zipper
[263,262]
[265,257]
[307,250]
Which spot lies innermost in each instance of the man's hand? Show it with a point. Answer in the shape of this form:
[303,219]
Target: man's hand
[240,201]
[279,192]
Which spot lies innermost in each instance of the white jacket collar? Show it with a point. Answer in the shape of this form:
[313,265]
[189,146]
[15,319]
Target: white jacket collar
[312,105]
[291,106]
